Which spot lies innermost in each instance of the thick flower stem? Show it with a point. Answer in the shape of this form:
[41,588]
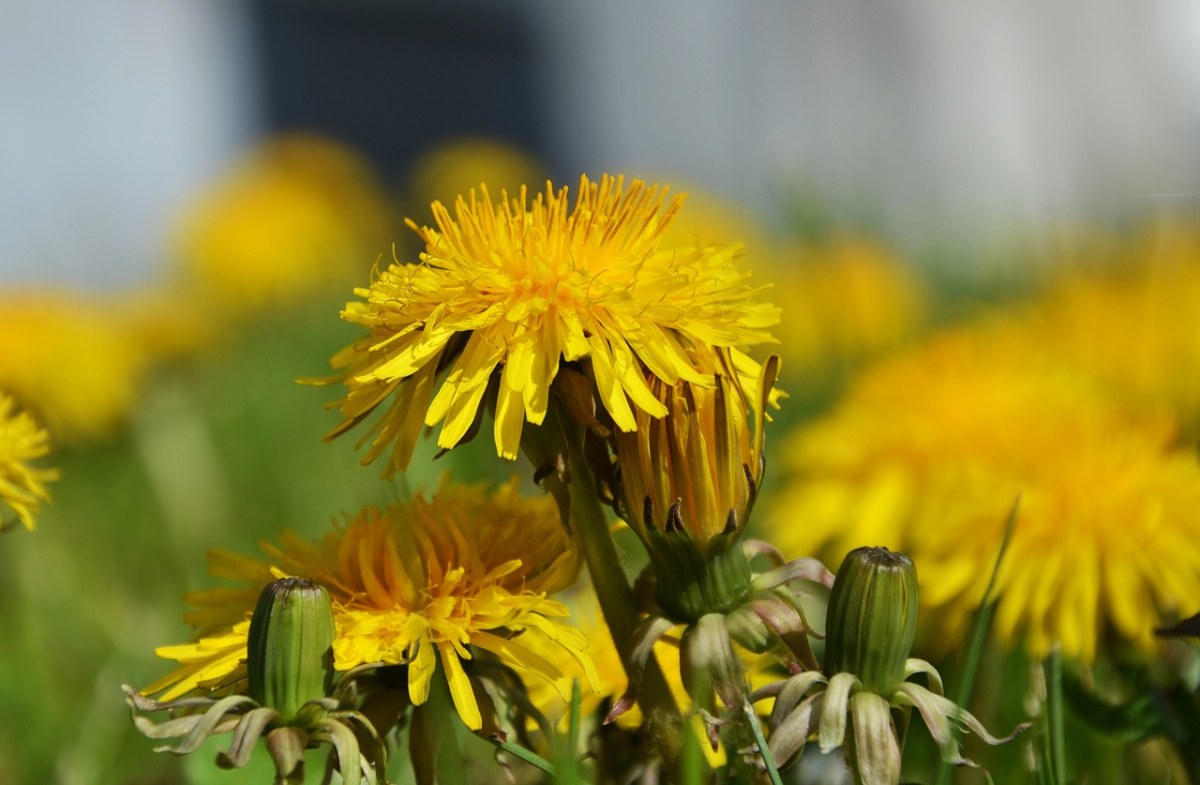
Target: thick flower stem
[590,527]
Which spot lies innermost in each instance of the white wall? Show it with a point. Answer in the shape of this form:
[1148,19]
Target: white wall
[111,111]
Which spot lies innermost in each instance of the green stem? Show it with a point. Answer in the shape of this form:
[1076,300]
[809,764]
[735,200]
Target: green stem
[1056,735]
[590,527]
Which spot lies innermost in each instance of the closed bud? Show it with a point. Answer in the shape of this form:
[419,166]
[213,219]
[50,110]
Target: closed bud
[872,618]
[290,646]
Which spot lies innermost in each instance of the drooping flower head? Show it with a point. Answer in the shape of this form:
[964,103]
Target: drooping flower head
[22,485]
[929,451]
[507,292]
[686,482]
[416,584]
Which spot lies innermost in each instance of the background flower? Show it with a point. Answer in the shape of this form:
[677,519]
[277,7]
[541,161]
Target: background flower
[22,485]
[929,452]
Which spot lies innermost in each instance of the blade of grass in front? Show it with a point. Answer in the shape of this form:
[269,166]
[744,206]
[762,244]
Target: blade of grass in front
[568,766]
[1055,733]
[979,632]
[763,750]
[520,753]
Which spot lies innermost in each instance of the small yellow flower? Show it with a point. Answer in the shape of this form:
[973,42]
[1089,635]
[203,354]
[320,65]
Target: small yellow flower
[297,214]
[456,166]
[516,289]
[927,454]
[849,301]
[416,584]
[70,358]
[22,486]
[1132,326]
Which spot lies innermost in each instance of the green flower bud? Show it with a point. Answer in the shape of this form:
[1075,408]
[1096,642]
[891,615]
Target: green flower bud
[872,618]
[290,646]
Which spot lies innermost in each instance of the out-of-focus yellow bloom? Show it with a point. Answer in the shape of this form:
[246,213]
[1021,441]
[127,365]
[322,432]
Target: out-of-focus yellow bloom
[415,584]
[928,453]
[713,220]
[71,359]
[1134,326]
[22,485]
[456,166]
[296,216]
[849,301]
[518,289]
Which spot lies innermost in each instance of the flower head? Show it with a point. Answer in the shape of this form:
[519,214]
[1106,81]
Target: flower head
[418,584]
[22,486]
[855,302]
[686,483]
[927,454]
[507,292]
[70,358]
[291,218]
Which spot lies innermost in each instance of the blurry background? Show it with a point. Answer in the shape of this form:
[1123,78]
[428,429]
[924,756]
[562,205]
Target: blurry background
[189,189]
[933,122]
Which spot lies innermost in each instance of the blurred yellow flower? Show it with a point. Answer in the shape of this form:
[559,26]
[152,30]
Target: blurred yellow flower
[929,451]
[456,166]
[297,215]
[849,301]
[22,485]
[415,584]
[1133,326]
[71,359]
[526,287]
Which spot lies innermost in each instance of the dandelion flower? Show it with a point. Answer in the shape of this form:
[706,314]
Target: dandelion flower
[454,167]
[416,584]
[927,454]
[516,289]
[1132,327]
[22,486]
[855,302]
[297,214]
[70,359]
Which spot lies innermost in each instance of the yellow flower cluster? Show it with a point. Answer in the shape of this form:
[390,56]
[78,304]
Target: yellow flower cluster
[416,584]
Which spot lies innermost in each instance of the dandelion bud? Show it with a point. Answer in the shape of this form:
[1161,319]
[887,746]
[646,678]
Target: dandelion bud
[290,646]
[872,618]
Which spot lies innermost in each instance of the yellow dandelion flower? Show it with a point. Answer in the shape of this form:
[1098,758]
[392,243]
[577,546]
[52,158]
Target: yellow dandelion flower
[298,214]
[22,486]
[1133,326]
[415,584]
[514,290]
[854,301]
[70,358]
[456,166]
[927,454]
